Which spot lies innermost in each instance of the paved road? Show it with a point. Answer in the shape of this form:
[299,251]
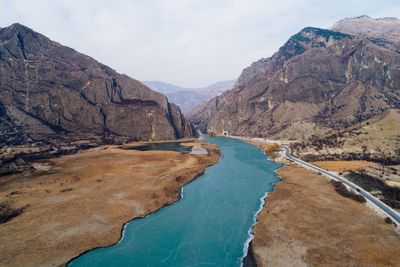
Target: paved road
[385,208]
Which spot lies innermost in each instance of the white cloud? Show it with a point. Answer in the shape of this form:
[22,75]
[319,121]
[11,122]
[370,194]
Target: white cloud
[187,42]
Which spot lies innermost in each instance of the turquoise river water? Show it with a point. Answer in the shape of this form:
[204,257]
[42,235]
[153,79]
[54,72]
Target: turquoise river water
[209,226]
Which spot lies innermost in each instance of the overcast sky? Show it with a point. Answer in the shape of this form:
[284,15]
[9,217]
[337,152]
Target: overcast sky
[186,42]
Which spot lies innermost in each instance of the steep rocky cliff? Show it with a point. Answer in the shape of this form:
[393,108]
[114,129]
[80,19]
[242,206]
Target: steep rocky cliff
[51,91]
[319,80]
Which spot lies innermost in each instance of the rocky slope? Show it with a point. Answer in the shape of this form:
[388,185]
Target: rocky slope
[319,80]
[54,100]
[187,98]
[48,90]
[384,31]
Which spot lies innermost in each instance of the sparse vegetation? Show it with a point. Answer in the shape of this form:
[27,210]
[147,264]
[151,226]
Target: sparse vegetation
[66,190]
[272,150]
[342,166]
[388,220]
[179,178]
[343,191]
[357,142]
[7,212]
[391,195]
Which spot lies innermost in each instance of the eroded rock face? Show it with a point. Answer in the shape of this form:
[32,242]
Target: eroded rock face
[323,78]
[49,90]
[382,31]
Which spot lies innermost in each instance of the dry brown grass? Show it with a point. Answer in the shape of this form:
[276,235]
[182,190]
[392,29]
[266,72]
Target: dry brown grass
[343,165]
[110,187]
[305,222]
[377,139]
[379,257]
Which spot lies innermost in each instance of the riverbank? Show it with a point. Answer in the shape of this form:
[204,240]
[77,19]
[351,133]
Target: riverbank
[81,201]
[383,182]
[306,222]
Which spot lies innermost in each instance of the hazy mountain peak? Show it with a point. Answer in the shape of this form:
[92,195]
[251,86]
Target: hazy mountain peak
[187,98]
[163,87]
[366,21]
[362,17]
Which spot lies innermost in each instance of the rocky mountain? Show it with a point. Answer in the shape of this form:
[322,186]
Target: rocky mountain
[187,98]
[382,31]
[319,80]
[49,91]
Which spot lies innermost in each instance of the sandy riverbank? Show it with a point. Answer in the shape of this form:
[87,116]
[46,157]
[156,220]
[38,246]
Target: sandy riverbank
[83,200]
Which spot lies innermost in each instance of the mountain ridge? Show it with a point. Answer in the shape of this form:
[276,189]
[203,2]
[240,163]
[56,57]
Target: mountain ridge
[55,101]
[325,78]
[187,98]
[382,31]
[46,86]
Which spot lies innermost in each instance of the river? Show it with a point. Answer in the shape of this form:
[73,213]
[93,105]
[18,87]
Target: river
[209,226]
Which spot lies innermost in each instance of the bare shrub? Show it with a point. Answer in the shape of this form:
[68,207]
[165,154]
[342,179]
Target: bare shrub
[178,178]
[388,220]
[7,212]
[343,191]
[66,190]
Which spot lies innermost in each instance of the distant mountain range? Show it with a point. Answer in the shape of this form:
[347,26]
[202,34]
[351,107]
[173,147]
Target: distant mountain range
[187,98]
[320,80]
